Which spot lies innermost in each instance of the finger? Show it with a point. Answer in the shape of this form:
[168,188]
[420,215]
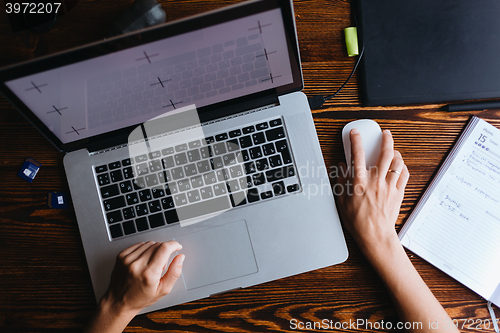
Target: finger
[395,169]
[138,252]
[386,154]
[403,179]
[130,249]
[160,257]
[358,154]
[172,275]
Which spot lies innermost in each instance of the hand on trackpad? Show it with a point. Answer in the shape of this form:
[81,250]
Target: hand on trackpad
[217,254]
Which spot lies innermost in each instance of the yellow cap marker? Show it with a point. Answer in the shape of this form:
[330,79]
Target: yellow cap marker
[351,41]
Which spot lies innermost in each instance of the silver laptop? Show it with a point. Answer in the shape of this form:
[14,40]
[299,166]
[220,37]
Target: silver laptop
[195,131]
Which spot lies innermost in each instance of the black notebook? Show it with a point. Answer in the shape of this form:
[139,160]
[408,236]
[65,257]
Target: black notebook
[429,51]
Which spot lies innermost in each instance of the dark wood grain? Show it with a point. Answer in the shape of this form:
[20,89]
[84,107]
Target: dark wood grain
[44,282]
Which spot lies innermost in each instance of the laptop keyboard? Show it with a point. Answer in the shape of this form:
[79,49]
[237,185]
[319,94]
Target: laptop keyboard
[236,168]
[177,81]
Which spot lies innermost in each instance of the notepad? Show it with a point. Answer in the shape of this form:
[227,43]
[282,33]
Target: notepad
[456,224]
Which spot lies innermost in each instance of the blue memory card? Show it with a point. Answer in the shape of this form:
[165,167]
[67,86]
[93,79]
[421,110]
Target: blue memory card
[29,169]
[58,200]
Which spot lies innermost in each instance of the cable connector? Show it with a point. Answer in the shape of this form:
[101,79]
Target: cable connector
[316,102]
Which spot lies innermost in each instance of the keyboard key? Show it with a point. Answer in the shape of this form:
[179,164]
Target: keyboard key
[194,144]
[151,180]
[181,147]
[292,188]
[103,179]
[221,137]
[253,195]
[279,188]
[266,195]
[193,196]
[155,166]
[141,209]
[206,192]
[203,207]
[154,154]
[196,182]
[229,159]
[249,129]
[203,166]
[183,185]
[190,170]
[236,171]
[115,216]
[238,199]
[235,133]
[259,178]
[139,183]
[206,152]
[232,145]
[114,165]
[128,172]
[109,191]
[171,216]
[245,156]
[180,199]
[193,155]
[132,198]
[220,189]
[126,186]
[210,178]
[275,161]
[261,126]
[219,148]
[180,159]
[168,162]
[129,227]
[128,213]
[258,138]
[168,151]
[114,203]
[245,182]
[209,140]
[145,195]
[233,185]
[126,162]
[246,141]
[167,203]
[154,206]
[222,175]
[101,168]
[116,231]
[262,164]
[141,158]
[280,173]
[275,122]
[216,163]
[156,220]
[255,152]
[268,149]
[158,192]
[142,224]
[141,169]
[275,134]
[177,173]
[116,175]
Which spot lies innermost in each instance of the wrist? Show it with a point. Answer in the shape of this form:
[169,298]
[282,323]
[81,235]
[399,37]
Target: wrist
[382,250]
[116,309]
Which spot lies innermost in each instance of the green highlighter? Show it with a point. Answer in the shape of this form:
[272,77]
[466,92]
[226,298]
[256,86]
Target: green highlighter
[351,41]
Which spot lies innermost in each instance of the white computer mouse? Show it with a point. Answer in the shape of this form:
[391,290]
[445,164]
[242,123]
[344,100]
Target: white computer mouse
[372,139]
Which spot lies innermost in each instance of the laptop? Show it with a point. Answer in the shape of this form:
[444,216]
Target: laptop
[195,131]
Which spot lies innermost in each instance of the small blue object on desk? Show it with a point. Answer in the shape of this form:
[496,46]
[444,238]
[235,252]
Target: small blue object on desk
[58,200]
[29,169]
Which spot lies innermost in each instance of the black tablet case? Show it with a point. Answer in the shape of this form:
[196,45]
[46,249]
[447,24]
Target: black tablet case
[425,51]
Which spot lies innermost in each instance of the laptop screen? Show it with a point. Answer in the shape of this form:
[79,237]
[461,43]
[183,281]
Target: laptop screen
[205,61]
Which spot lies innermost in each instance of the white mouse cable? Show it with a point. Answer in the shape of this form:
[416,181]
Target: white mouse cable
[317,101]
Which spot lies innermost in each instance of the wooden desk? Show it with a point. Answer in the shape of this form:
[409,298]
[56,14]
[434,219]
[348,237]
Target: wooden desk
[44,283]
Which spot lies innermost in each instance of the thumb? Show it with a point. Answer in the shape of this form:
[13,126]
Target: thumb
[173,273]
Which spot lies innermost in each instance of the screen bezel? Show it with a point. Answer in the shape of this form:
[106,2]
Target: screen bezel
[144,36]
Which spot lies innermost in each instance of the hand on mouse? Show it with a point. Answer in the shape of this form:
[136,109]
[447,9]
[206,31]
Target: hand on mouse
[136,282]
[371,211]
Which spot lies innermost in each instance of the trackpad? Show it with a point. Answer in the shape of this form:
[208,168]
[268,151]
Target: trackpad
[217,254]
